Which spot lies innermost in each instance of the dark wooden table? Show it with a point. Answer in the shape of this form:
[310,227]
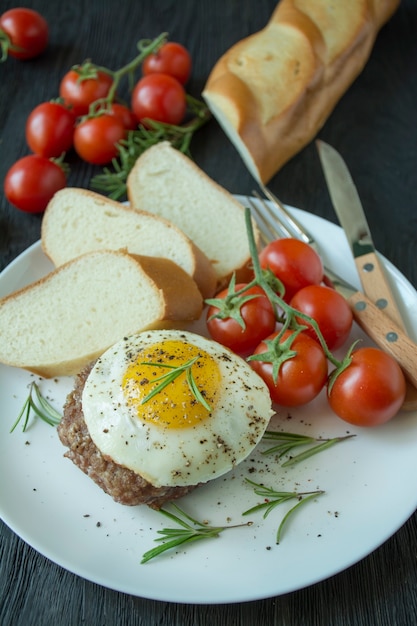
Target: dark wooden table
[374,126]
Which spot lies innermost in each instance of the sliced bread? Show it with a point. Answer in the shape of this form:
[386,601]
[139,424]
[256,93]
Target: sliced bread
[166,182]
[77,221]
[60,323]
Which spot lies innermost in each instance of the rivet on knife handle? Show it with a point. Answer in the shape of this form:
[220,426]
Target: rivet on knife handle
[374,284]
[386,334]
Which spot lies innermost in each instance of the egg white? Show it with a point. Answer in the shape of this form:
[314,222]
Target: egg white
[168,456]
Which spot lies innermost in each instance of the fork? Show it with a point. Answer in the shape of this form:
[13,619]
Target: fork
[278,222]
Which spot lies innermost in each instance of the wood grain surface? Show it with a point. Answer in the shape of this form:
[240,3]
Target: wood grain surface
[374,127]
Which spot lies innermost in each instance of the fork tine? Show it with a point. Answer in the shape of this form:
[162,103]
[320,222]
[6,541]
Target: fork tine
[293,225]
[268,230]
[272,218]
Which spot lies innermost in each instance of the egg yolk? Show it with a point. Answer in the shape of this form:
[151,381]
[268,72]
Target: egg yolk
[173,405]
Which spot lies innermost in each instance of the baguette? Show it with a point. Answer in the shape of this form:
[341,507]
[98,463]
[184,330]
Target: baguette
[166,182]
[77,221]
[57,325]
[272,91]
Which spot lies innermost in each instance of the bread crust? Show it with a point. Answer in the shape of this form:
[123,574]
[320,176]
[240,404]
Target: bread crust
[314,59]
[201,208]
[57,225]
[47,329]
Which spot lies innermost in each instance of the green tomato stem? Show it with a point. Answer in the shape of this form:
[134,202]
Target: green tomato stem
[146,48]
[290,313]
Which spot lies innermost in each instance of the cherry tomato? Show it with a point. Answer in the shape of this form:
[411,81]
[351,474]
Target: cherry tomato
[330,310]
[370,391]
[258,317]
[294,262]
[50,129]
[173,59]
[32,181]
[95,138]
[125,115]
[159,97]
[23,33]
[301,377]
[78,92]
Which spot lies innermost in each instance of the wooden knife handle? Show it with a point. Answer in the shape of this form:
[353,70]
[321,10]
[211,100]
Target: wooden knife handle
[386,334]
[376,286]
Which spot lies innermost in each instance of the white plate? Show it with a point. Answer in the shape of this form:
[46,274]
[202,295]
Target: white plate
[370,485]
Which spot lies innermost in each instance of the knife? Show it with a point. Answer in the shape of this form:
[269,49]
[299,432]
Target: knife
[378,326]
[349,210]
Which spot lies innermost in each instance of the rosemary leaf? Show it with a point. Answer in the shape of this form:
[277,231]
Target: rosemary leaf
[286,442]
[195,390]
[324,445]
[50,415]
[301,502]
[39,406]
[192,530]
[169,377]
[274,498]
[24,411]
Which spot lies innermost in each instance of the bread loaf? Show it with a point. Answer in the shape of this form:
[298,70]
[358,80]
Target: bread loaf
[57,325]
[77,221]
[165,182]
[273,91]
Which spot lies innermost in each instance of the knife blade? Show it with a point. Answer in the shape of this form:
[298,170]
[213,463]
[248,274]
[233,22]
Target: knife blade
[351,215]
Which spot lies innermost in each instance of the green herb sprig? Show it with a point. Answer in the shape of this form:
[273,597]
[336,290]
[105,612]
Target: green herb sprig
[273,498]
[169,377]
[286,442]
[191,530]
[37,404]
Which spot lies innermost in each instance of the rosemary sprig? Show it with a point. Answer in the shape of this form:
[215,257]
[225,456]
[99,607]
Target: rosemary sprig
[112,180]
[191,530]
[37,404]
[169,377]
[286,442]
[273,498]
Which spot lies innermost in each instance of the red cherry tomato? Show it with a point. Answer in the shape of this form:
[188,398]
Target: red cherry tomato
[294,262]
[159,97]
[330,310]
[173,59]
[50,129]
[78,92]
[125,115]
[370,391]
[257,314]
[23,33]
[32,181]
[301,377]
[95,138]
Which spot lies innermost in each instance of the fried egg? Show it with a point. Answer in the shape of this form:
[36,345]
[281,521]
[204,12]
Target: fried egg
[176,408]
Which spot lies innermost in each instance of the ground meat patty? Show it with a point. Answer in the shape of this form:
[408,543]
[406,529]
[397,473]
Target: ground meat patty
[121,483]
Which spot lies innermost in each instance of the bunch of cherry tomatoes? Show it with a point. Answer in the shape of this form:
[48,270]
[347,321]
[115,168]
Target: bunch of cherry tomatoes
[86,116]
[287,334]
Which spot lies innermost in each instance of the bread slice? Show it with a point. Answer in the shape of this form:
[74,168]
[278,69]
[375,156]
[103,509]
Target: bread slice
[166,182]
[272,91]
[57,325]
[77,221]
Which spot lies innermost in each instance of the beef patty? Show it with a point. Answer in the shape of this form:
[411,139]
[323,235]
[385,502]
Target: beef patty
[121,483]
